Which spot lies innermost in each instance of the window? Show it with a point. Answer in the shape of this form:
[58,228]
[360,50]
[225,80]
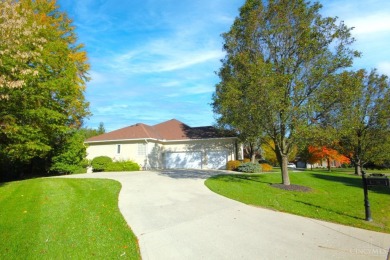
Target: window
[141,149]
[118,149]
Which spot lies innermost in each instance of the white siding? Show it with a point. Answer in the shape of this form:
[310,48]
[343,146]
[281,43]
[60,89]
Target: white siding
[151,154]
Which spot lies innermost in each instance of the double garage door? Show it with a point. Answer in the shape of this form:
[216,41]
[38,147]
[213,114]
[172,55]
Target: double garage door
[196,160]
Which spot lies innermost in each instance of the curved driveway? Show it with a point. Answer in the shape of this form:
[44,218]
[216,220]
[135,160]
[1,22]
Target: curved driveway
[175,216]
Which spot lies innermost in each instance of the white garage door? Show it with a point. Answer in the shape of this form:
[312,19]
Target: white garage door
[183,160]
[217,160]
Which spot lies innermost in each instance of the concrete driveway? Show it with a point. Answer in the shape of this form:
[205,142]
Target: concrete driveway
[175,216]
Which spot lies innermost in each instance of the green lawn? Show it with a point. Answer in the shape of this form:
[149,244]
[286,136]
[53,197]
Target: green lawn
[335,197]
[63,219]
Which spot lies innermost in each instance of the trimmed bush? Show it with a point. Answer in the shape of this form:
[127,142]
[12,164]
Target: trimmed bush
[122,166]
[246,160]
[249,167]
[265,167]
[233,165]
[100,163]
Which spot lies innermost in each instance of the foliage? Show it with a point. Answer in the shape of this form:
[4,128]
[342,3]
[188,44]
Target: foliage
[246,160]
[252,147]
[362,120]
[335,197]
[89,132]
[277,78]
[64,218]
[106,164]
[122,166]
[233,165]
[42,83]
[100,163]
[249,167]
[270,155]
[269,152]
[317,154]
[265,167]
[71,156]
[101,129]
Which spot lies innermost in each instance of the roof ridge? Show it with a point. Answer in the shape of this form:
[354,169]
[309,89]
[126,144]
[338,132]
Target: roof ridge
[145,130]
[169,130]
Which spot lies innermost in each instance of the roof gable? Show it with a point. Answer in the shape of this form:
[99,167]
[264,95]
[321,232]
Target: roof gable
[137,131]
[168,130]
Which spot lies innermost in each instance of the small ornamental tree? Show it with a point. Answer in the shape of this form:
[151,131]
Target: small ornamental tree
[318,154]
[71,155]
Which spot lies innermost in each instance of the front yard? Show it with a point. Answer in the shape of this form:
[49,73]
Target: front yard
[335,197]
[63,219]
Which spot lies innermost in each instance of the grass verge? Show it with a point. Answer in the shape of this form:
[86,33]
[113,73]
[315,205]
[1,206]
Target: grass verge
[63,219]
[335,197]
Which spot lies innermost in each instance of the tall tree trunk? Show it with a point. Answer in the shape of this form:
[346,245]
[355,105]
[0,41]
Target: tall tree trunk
[328,162]
[285,176]
[253,157]
[358,168]
[283,161]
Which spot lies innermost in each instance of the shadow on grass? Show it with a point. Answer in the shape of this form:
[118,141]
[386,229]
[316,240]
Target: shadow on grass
[350,181]
[327,209]
[241,178]
[24,177]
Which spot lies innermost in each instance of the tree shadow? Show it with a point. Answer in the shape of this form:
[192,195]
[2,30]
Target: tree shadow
[189,173]
[350,181]
[327,209]
[239,178]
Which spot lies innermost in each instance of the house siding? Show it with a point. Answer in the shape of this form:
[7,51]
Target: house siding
[128,151]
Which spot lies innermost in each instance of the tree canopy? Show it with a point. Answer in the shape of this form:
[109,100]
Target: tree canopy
[318,154]
[42,82]
[277,78]
[362,120]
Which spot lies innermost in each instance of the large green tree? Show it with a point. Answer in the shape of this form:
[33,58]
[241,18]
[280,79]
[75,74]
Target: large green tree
[42,82]
[363,119]
[281,62]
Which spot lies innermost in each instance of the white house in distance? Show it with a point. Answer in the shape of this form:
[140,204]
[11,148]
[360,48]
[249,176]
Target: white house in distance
[168,145]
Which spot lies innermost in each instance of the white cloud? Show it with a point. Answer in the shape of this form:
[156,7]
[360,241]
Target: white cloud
[97,78]
[370,24]
[159,56]
[171,83]
[199,89]
[384,68]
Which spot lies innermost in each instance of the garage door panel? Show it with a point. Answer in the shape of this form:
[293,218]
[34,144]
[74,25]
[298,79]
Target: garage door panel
[183,160]
[217,160]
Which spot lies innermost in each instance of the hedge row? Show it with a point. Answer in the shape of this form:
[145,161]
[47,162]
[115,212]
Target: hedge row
[106,164]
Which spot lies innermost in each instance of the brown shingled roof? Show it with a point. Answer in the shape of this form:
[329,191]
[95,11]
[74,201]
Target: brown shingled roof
[169,130]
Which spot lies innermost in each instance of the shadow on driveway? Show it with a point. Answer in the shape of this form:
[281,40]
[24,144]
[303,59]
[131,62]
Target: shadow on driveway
[190,173]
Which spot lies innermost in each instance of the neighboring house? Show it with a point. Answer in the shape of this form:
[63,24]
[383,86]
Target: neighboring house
[321,164]
[168,145]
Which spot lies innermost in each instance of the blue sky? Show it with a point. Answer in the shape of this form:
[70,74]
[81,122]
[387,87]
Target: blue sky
[154,60]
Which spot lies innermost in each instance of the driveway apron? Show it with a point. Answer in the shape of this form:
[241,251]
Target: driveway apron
[175,216]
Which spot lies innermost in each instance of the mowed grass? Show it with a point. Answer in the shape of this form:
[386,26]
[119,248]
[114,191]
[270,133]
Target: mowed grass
[63,219]
[335,197]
